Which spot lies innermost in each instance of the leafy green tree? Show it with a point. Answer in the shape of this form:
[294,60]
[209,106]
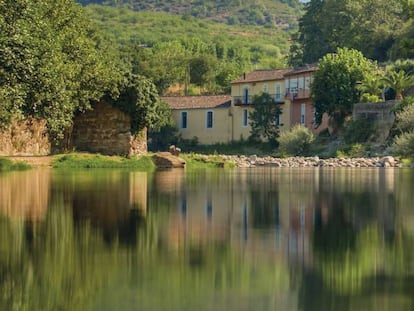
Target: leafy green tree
[52,62]
[265,118]
[164,63]
[334,89]
[139,98]
[370,26]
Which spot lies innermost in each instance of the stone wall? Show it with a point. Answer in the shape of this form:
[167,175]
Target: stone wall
[25,138]
[106,130]
[380,113]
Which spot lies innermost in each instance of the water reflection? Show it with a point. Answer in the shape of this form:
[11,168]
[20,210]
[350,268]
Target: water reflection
[255,239]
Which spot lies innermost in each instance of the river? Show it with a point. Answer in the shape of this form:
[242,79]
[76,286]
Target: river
[240,239]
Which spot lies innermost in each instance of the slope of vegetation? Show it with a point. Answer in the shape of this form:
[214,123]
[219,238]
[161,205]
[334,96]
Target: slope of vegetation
[282,14]
[173,50]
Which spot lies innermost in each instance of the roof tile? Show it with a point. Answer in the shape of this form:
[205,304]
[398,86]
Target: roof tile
[197,102]
[262,75]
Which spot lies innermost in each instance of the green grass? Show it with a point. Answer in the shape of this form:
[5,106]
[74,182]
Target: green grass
[9,165]
[406,162]
[79,160]
[196,161]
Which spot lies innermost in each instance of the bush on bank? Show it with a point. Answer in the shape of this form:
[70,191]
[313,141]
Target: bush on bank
[296,142]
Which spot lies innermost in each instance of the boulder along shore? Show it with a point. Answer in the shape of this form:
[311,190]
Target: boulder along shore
[255,161]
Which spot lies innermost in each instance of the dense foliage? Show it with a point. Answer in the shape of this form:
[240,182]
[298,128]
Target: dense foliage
[53,64]
[334,88]
[380,29]
[199,56]
[281,13]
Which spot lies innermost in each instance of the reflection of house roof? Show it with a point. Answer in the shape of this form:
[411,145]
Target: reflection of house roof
[262,75]
[299,70]
[197,102]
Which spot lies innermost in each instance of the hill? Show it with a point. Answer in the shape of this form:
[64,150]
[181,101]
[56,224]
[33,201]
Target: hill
[202,49]
[264,47]
[277,13]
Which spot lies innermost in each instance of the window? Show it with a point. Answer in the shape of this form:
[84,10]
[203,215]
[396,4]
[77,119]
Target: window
[265,88]
[303,114]
[293,86]
[307,83]
[245,95]
[183,121]
[209,123]
[245,117]
[277,92]
[301,83]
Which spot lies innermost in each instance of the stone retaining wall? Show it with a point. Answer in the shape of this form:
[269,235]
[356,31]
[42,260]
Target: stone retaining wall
[380,113]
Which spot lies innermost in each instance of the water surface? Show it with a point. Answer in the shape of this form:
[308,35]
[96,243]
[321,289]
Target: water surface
[243,239]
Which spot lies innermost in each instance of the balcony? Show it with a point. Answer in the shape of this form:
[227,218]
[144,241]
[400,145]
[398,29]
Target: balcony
[243,100]
[295,94]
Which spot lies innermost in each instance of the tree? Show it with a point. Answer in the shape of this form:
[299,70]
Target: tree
[52,62]
[334,89]
[370,26]
[265,118]
[139,98]
[398,81]
[372,88]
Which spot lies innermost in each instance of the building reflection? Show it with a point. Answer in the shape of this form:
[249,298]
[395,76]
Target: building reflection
[275,214]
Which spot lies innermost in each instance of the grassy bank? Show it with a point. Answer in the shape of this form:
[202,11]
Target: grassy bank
[194,161]
[80,160]
[9,165]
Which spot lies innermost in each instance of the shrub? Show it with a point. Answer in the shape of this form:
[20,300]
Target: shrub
[297,141]
[407,101]
[404,145]
[405,119]
[358,131]
[352,151]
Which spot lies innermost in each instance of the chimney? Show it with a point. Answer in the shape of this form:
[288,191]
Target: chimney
[244,76]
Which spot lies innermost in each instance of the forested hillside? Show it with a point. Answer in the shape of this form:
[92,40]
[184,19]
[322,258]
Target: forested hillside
[197,46]
[280,13]
[185,50]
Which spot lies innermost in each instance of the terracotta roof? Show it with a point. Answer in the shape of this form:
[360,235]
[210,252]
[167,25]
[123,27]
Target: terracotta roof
[197,102]
[307,68]
[262,75]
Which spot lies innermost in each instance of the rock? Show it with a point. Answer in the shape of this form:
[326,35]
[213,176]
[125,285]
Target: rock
[174,150]
[253,159]
[389,160]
